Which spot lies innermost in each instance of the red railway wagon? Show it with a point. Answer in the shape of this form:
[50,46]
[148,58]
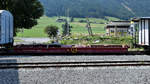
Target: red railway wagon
[69,49]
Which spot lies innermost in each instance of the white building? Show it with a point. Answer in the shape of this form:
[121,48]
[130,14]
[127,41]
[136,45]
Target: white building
[143,26]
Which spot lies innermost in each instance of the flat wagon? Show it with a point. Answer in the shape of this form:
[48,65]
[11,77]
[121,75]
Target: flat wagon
[6,39]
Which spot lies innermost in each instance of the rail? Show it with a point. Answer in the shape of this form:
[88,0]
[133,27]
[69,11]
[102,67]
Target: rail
[74,64]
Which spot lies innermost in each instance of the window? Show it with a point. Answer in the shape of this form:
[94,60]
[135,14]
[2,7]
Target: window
[112,31]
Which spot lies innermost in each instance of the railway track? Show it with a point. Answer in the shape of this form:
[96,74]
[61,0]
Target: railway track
[74,64]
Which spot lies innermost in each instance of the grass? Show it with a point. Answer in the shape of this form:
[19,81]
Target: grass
[96,39]
[79,32]
[17,40]
[136,49]
[38,30]
[78,28]
[100,40]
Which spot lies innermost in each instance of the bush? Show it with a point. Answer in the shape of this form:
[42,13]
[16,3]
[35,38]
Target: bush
[83,21]
[51,31]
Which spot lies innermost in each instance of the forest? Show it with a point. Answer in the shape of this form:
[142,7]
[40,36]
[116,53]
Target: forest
[123,9]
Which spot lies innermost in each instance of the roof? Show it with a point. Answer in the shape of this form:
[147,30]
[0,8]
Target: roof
[141,18]
[124,27]
[144,17]
[6,12]
[1,11]
[119,23]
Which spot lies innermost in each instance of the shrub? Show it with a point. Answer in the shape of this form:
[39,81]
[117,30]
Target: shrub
[51,31]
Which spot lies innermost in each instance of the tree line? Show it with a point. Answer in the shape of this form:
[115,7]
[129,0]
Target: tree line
[123,9]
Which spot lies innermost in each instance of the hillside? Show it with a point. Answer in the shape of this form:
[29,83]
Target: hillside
[78,28]
[123,9]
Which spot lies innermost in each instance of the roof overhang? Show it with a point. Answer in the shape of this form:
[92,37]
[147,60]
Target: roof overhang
[140,18]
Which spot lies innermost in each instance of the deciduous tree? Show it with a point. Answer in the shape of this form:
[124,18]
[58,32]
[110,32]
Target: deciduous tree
[25,12]
[51,31]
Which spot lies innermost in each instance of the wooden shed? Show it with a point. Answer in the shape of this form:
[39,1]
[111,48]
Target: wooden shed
[118,28]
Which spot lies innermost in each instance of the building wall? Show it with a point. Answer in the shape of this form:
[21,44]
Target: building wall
[120,31]
[121,28]
[144,32]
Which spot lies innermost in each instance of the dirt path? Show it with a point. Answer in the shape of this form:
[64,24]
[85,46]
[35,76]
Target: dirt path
[31,40]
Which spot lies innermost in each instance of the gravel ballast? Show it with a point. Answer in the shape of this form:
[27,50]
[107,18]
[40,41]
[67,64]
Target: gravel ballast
[55,58]
[86,75]
[105,75]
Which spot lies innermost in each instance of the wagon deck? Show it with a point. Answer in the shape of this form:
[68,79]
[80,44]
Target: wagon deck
[68,49]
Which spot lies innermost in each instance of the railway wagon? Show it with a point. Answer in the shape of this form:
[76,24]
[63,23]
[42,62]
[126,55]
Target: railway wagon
[6,39]
[6,28]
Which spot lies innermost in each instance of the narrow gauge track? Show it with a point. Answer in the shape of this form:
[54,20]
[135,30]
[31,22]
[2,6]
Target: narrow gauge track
[74,64]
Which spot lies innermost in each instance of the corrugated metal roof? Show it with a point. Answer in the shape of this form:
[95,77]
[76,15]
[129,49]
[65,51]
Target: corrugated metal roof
[140,18]
[2,11]
[145,18]
[5,11]
[119,23]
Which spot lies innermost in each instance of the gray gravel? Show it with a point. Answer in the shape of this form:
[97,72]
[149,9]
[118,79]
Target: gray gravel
[105,75]
[55,58]
[89,75]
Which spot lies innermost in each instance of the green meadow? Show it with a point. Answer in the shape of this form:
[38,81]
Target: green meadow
[79,32]
[78,28]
